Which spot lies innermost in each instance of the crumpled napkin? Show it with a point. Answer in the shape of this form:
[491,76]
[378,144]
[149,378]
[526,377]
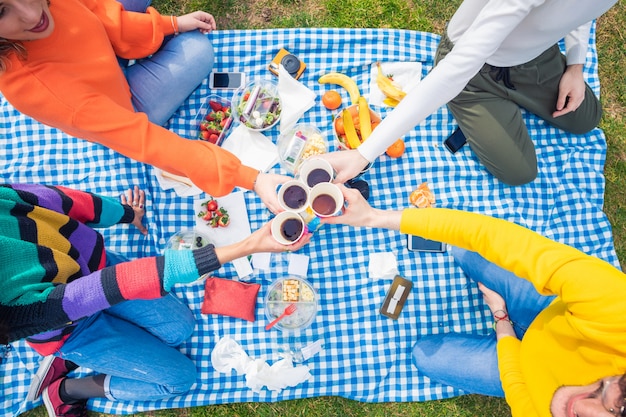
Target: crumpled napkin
[181,185]
[253,149]
[383,265]
[228,355]
[295,99]
[406,74]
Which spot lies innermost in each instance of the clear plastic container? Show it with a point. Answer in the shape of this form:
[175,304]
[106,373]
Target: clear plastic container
[257,105]
[188,239]
[212,126]
[285,291]
[299,143]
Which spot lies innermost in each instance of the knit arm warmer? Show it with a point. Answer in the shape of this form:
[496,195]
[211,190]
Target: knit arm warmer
[184,266]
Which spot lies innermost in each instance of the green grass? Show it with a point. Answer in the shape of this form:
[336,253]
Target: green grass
[425,15]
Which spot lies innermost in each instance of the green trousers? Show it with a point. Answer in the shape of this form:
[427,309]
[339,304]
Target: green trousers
[488,112]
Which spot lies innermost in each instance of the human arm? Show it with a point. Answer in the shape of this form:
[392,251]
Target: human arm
[497,306]
[259,241]
[439,86]
[200,20]
[508,348]
[552,267]
[136,198]
[44,306]
[572,85]
[265,186]
[88,208]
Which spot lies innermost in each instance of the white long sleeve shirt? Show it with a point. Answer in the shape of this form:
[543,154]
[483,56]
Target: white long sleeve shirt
[502,33]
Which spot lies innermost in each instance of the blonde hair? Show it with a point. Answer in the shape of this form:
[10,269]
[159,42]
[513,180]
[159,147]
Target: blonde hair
[6,48]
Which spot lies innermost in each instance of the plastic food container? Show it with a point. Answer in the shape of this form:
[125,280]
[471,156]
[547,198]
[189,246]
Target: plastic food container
[354,111]
[299,143]
[257,105]
[187,240]
[285,291]
[214,119]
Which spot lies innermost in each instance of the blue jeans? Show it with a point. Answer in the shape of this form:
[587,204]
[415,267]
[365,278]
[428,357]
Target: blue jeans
[160,83]
[469,361]
[133,344]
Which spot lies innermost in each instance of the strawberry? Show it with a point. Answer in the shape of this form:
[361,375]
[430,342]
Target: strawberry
[213,138]
[226,122]
[211,205]
[210,117]
[207,216]
[214,222]
[223,221]
[215,106]
[205,135]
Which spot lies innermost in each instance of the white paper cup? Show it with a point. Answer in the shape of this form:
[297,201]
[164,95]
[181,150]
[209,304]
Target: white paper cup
[287,227]
[313,171]
[326,199]
[294,196]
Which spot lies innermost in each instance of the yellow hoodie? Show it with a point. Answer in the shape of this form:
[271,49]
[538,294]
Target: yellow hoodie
[578,339]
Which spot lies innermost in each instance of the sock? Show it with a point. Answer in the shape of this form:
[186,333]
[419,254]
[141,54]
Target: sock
[80,389]
[64,396]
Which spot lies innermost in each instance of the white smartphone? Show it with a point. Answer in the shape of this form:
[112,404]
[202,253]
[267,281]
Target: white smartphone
[226,80]
[419,244]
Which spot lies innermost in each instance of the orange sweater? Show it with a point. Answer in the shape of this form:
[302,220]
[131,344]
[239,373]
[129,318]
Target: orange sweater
[72,81]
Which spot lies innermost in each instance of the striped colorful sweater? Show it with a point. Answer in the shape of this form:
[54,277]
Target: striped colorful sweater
[52,262]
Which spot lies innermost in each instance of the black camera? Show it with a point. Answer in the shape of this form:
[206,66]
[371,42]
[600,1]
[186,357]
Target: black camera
[292,64]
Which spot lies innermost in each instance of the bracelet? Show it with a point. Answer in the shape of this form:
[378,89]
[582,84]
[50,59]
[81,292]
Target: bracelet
[503,317]
[174,25]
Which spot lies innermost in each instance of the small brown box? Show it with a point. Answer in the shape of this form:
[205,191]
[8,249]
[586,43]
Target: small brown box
[396,297]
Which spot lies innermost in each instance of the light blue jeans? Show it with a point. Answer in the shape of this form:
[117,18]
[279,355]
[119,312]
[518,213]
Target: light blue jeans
[469,361]
[133,343]
[160,83]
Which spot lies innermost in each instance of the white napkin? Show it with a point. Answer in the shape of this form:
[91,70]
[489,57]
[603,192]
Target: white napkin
[228,355]
[406,74]
[253,149]
[383,265]
[237,230]
[181,185]
[295,99]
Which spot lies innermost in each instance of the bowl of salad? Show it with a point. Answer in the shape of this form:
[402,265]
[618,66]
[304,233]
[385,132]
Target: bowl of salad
[257,105]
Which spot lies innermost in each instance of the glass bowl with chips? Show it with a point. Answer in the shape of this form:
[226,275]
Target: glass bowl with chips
[285,291]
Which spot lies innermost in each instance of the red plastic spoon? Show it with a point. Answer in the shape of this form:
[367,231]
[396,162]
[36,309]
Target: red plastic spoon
[289,310]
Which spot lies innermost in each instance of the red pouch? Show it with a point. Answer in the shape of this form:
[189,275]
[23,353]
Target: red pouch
[230,298]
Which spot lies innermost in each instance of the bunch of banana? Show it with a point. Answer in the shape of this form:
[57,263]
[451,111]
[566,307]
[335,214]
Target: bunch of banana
[351,135]
[344,81]
[365,120]
[391,90]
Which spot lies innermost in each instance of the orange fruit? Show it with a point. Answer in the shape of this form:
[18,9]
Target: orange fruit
[339,126]
[396,149]
[331,100]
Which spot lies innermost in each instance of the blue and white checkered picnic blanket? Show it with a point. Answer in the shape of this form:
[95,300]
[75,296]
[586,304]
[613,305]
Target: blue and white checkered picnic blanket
[366,357]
